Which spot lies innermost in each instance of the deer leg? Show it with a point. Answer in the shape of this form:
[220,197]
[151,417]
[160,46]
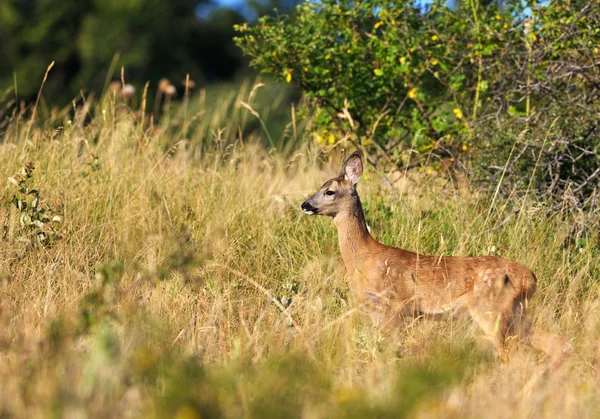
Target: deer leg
[495,327]
[555,346]
[489,309]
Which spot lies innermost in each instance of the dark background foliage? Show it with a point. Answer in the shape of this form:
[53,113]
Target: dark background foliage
[151,39]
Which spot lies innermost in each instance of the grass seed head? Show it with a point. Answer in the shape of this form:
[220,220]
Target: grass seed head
[128,91]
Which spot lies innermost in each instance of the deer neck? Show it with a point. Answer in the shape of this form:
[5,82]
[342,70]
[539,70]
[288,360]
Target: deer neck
[353,235]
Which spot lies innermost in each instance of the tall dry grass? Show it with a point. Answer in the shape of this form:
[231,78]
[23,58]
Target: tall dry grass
[180,279]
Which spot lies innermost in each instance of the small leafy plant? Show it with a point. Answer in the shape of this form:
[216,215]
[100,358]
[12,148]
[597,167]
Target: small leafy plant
[37,224]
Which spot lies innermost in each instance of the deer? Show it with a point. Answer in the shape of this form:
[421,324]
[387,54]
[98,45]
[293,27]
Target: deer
[395,284]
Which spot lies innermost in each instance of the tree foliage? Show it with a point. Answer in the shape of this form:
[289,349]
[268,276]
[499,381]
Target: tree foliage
[151,39]
[409,81]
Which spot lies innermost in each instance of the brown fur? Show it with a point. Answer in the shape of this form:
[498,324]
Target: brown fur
[395,283]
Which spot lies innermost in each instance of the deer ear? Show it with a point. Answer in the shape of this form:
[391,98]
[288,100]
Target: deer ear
[353,167]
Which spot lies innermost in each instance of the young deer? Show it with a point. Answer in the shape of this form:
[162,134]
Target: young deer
[395,283]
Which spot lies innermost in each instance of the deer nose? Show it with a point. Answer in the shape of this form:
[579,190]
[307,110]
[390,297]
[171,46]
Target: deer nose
[308,208]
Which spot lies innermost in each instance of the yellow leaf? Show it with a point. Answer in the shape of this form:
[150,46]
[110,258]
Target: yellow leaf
[378,24]
[434,38]
[434,62]
[288,77]
[378,72]
[327,56]
[331,139]
[458,113]
[464,147]
[412,93]
[402,59]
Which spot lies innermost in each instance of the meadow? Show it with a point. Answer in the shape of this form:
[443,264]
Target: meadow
[166,270]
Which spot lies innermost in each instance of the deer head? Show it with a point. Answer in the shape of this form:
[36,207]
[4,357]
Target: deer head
[337,195]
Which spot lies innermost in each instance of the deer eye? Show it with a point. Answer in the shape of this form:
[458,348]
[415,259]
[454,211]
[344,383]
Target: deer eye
[329,193]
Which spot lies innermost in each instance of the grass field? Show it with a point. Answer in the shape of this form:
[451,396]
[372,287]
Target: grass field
[168,271]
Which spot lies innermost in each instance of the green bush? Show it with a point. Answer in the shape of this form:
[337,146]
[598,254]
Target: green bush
[501,88]
[401,75]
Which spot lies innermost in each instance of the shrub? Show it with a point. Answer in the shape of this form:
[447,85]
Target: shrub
[411,81]
[29,221]
[394,76]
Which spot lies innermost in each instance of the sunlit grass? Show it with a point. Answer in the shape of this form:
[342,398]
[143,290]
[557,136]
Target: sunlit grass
[183,280]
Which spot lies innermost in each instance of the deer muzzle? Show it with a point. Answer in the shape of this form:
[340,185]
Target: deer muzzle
[309,209]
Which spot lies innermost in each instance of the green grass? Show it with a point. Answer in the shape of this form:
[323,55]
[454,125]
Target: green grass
[160,290]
